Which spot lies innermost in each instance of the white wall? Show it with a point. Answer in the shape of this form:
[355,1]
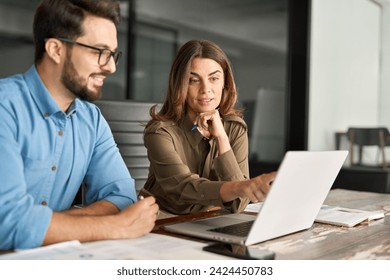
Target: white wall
[344,68]
[384,112]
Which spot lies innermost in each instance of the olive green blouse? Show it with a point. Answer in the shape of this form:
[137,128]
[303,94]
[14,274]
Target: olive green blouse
[186,173]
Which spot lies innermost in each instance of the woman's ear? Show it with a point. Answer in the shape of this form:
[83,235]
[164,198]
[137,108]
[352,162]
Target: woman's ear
[54,49]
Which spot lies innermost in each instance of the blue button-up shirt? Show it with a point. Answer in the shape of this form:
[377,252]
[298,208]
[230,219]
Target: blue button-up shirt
[45,154]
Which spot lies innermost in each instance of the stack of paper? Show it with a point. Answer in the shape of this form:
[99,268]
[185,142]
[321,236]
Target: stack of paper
[149,246]
[334,215]
[346,216]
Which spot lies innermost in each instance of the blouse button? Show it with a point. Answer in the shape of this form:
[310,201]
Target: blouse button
[44,203]
[46,115]
[60,132]
[54,168]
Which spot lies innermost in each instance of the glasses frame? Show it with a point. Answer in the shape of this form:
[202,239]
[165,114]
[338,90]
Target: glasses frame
[115,55]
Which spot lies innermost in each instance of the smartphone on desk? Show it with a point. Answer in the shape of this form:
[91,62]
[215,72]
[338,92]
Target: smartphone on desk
[240,251]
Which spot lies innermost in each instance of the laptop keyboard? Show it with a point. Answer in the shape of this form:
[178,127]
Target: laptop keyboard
[240,229]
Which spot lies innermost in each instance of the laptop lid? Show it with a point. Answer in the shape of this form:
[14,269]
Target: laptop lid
[303,181]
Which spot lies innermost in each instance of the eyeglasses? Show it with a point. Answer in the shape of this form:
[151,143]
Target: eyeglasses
[104,54]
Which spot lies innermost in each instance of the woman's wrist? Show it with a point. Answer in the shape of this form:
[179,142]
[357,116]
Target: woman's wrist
[223,144]
[228,191]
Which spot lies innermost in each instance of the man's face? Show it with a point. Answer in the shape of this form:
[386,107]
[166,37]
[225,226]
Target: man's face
[82,74]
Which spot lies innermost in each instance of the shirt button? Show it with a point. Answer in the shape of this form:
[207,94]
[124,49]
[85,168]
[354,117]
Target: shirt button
[44,203]
[46,115]
[202,195]
[60,132]
[54,168]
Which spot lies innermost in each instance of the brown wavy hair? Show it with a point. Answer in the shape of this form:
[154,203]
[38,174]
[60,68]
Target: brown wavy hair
[174,106]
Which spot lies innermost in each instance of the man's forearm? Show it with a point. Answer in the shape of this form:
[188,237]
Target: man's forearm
[64,227]
[98,208]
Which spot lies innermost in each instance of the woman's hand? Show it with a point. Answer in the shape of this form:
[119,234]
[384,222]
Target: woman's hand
[257,188]
[254,189]
[210,124]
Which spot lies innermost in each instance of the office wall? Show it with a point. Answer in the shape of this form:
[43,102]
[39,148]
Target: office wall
[384,111]
[254,67]
[344,68]
[16,21]
[16,47]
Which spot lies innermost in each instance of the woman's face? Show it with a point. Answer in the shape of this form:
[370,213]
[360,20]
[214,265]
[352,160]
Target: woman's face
[205,86]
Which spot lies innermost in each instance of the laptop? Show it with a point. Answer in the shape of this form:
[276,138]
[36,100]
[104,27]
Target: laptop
[301,185]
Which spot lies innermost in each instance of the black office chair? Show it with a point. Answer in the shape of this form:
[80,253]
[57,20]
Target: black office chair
[368,136]
[126,120]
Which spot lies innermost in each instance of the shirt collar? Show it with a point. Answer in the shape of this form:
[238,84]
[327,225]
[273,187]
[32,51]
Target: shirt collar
[73,107]
[42,97]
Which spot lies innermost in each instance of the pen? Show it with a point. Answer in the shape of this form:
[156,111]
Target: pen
[195,126]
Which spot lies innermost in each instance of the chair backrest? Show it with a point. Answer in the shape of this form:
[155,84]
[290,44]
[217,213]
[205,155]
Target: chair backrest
[369,136]
[127,121]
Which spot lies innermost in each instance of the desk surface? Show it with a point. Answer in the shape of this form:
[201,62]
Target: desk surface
[366,241]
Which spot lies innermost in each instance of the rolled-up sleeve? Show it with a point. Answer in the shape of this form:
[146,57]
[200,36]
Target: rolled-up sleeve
[233,165]
[227,167]
[22,224]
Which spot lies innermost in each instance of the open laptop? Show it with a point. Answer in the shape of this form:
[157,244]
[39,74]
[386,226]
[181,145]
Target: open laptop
[302,183]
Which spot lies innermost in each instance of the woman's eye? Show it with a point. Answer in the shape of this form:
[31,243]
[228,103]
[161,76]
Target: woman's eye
[193,81]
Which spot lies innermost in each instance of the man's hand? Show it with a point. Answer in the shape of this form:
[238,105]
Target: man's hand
[137,219]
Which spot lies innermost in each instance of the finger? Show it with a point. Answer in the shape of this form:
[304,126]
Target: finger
[205,127]
[252,193]
[258,191]
[271,176]
[205,122]
[259,195]
[252,197]
[260,186]
[155,208]
[150,200]
[265,187]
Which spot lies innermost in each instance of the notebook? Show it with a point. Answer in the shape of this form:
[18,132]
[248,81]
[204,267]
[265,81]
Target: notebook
[302,183]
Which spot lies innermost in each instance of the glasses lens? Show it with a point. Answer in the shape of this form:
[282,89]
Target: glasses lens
[117,56]
[105,57]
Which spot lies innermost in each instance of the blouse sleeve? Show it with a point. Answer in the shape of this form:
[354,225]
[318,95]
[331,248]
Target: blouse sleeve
[233,165]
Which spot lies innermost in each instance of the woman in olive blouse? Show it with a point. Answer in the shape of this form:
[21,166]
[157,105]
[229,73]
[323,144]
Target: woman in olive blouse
[198,143]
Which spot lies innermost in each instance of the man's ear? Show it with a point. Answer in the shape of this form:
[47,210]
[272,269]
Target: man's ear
[55,49]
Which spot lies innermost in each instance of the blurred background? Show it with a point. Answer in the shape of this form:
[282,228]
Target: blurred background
[306,70]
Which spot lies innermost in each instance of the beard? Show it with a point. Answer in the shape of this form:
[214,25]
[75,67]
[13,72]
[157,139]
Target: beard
[77,84]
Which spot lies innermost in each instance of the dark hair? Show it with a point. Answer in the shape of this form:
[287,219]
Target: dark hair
[64,19]
[174,106]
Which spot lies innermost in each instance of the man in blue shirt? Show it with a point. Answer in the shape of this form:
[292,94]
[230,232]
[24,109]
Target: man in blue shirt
[52,139]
